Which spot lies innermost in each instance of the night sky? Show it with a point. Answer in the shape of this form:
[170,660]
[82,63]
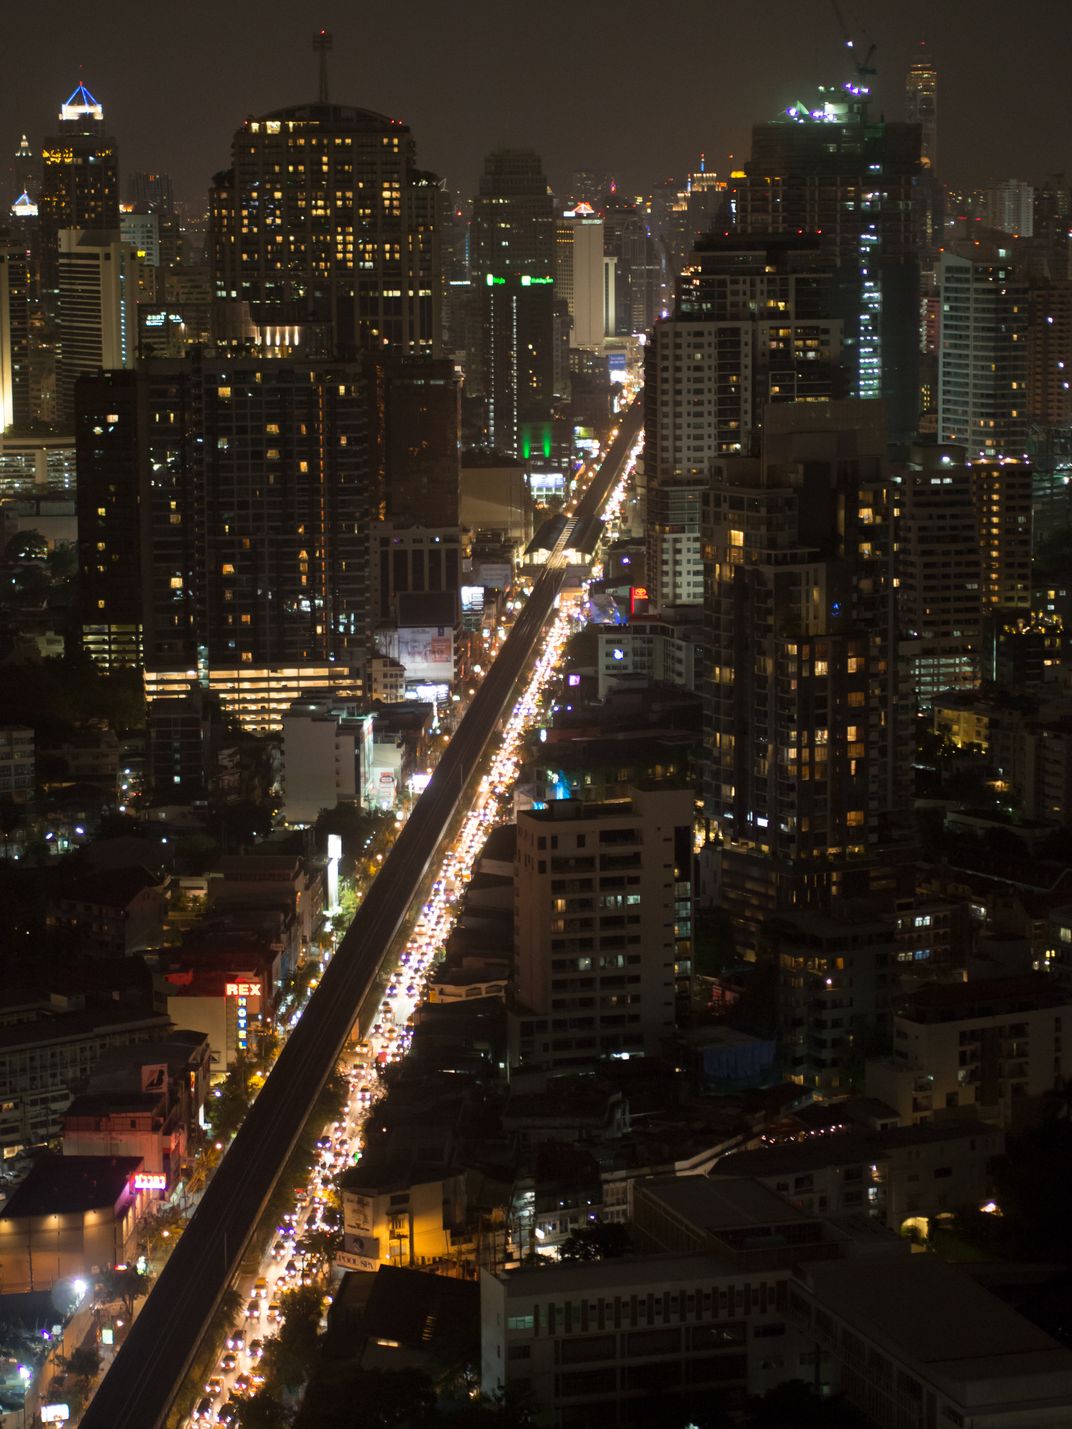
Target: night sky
[636,87]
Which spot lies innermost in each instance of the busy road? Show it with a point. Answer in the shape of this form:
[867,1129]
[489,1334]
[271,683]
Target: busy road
[159,1351]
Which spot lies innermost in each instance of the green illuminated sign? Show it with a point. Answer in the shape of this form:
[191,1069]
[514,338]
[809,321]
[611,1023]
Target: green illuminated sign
[492,281]
[528,281]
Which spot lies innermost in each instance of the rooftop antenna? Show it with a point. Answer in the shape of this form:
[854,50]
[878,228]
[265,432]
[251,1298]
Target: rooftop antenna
[323,41]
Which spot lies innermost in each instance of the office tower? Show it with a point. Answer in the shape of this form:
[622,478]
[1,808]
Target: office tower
[939,568]
[79,179]
[348,236]
[921,106]
[254,507]
[832,171]
[512,229]
[1002,491]
[602,919]
[753,324]
[98,284]
[638,273]
[983,356]
[14,339]
[140,230]
[151,193]
[804,737]
[579,274]
[110,433]
[518,336]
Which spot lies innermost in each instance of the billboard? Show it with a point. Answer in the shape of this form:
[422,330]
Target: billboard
[427,652]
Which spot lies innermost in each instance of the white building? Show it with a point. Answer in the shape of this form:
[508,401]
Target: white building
[327,758]
[983,354]
[996,1046]
[98,296]
[602,900]
[663,648]
[579,274]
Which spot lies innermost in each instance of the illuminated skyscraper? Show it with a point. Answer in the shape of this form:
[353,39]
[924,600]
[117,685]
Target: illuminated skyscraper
[14,339]
[579,274]
[518,333]
[983,402]
[754,323]
[832,171]
[803,732]
[98,298]
[921,106]
[79,178]
[325,217]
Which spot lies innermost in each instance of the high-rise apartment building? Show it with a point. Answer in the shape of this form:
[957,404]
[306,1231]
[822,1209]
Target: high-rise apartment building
[111,427]
[579,274]
[1049,381]
[603,900]
[1009,207]
[512,229]
[79,178]
[834,172]
[921,106]
[983,360]
[638,269]
[98,282]
[1002,491]
[15,280]
[802,724]
[324,216]
[754,324]
[939,568]
[251,486]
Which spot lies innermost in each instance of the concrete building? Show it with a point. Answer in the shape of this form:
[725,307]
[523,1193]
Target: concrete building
[666,648]
[495,499]
[803,721]
[913,1340]
[892,1176]
[98,296]
[603,926]
[1003,511]
[114,913]
[327,758]
[579,273]
[48,1046]
[257,697]
[405,1220]
[70,1215]
[17,763]
[185,735]
[994,1046]
[939,560]
[983,353]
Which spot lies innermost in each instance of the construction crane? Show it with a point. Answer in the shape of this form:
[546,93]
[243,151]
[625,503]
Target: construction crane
[864,68]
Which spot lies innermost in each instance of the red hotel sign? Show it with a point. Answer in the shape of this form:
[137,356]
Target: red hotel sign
[243,989]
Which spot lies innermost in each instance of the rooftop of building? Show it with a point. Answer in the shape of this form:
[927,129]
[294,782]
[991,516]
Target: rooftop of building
[415,1308]
[845,1148]
[63,1025]
[928,1312]
[942,1002]
[65,1185]
[331,116]
[105,888]
[113,1103]
[578,1277]
[729,1203]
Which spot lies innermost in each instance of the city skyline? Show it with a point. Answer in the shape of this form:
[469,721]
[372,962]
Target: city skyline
[760,62]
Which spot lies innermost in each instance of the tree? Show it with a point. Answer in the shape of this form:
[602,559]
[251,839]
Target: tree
[26,546]
[125,1285]
[290,1356]
[369,1399]
[262,1411]
[602,1240]
[83,1362]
